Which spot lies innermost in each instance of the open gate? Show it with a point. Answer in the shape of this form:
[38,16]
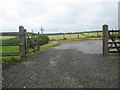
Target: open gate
[111,41]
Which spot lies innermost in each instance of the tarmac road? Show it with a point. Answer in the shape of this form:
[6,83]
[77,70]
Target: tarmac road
[73,64]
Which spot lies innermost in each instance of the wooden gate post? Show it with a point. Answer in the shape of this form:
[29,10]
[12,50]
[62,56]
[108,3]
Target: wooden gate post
[119,37]
[105,40]
[25,38]
[22,46]
[38,43]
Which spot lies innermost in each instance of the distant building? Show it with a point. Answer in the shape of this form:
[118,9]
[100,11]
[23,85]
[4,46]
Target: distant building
[119,15]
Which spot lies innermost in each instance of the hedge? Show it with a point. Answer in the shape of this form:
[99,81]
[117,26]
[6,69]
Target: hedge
[42,39]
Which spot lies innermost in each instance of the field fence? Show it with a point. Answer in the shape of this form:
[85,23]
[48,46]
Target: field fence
[96,34]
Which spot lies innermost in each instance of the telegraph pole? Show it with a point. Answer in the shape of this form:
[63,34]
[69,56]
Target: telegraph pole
[41,30]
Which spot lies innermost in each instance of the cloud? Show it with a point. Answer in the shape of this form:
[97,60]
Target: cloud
[57,15]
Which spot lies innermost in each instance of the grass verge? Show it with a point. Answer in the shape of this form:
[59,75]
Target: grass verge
[49,45]
[14,59]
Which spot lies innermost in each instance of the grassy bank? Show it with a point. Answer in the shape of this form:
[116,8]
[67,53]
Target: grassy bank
[15,49]
[49,45]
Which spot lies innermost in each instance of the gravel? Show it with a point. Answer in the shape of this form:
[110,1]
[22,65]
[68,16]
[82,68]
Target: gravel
[88,47]
[73,64]
[0,74]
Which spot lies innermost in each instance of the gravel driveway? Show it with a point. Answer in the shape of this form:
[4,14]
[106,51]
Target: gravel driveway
[73,64]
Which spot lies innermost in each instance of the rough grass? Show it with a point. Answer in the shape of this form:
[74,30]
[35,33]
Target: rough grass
[10,59]
[15,49]
[49,45]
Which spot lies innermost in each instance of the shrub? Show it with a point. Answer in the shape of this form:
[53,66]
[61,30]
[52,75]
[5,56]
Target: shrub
[65,39]
[43,39]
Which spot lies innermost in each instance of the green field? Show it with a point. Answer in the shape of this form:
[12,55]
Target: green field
[75,36]
[80,35]
[15,49]
[10,49]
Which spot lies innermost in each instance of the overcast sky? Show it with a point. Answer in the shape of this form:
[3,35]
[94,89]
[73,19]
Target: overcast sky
[58,15]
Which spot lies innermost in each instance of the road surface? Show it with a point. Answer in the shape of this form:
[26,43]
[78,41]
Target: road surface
[73,64]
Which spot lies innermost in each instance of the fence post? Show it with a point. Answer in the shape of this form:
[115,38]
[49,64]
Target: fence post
[64,36]
[22,38]
[78,35]
[88,34]
[105,40]
[97,33]
[38,43]
[112,31]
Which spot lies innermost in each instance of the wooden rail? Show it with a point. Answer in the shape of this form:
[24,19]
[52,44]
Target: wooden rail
[115,41]
[9,44]
[10,54]
[9,34]
[25,43]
